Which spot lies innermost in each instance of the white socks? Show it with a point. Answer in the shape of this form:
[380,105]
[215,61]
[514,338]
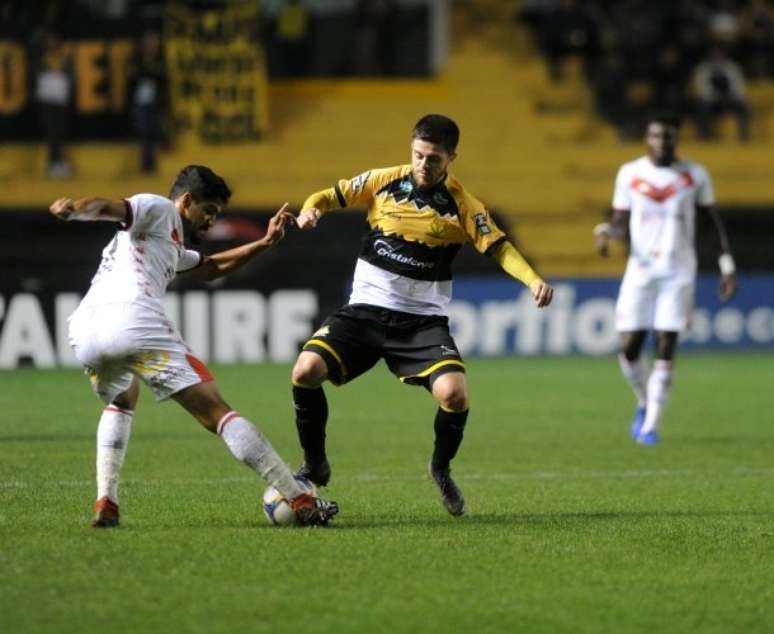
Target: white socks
[635,372]
[115,426]
[248,445]
[659,385]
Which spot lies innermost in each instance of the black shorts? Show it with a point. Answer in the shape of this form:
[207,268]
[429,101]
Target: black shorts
[417,348]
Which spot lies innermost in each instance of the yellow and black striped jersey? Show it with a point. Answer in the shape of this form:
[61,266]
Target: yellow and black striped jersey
[405,259]
[416,232]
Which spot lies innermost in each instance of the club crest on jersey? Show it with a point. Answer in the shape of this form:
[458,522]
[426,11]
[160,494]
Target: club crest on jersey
[481,224]
[437,228]
[358,182]
[406,186]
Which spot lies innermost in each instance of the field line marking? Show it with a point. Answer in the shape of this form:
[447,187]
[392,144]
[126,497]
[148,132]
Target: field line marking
[534,475]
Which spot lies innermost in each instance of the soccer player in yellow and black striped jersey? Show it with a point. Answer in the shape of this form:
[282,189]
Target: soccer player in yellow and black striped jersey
[419,217]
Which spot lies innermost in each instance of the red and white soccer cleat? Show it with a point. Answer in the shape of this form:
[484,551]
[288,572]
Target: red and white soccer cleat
[105,513]
[312,511]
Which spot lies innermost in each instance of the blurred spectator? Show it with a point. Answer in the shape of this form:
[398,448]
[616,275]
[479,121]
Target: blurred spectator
[374,37]
[720,88]
[648,51]
[291,39]
[53,94]
[611,95]
[149,98]
[641,32]
[724,25]
[757,24]
[670,82]
[686,26]
[563,29]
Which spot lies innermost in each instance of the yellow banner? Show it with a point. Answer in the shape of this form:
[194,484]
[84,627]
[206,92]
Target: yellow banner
[217,73]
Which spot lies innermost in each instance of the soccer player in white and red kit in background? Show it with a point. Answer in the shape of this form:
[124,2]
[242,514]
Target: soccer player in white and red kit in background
[120,333]
[655,204]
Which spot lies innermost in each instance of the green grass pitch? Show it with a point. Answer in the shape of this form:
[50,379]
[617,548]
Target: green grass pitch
[570,526]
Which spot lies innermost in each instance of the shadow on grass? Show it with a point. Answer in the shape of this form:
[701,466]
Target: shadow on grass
[558,519]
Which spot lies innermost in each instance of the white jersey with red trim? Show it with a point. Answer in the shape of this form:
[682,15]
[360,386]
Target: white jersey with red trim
[143,256]
[662,202]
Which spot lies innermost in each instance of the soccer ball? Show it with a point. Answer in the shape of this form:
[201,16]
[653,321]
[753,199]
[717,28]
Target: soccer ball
[277,509]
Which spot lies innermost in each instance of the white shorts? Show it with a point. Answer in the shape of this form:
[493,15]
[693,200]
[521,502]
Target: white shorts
[649,302]
[116,342]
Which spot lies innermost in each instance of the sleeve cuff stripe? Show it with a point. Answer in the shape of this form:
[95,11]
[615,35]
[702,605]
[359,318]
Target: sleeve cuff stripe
[340,196]
[129,219]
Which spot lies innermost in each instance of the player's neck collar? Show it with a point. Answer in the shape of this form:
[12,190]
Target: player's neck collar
[674,161]
[440,183]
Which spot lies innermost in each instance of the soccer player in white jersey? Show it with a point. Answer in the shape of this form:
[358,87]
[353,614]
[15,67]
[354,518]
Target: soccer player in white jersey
[120,333]
[655,204]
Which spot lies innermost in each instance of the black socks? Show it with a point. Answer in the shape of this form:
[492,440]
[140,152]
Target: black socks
[311,417]
[449,427]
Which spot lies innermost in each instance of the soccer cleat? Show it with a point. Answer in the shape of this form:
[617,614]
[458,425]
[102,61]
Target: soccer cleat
[648,438]
[313,511]
[639,418]
[451,496]
[317,472]
[105,513]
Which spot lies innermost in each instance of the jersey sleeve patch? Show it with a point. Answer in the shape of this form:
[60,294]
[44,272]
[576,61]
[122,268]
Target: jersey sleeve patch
[340,195]
[482,226]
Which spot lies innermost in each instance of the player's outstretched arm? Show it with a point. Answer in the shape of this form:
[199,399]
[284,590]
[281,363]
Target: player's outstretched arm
[224,262]
[514,264]
[615,229]
[315,206]
[726,260]
[89,209]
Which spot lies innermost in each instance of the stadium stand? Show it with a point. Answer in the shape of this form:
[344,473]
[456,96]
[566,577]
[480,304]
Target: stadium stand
[534,150]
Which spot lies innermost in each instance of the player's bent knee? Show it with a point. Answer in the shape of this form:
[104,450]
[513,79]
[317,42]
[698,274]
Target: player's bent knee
[451,393]
[310,370]
[454,402]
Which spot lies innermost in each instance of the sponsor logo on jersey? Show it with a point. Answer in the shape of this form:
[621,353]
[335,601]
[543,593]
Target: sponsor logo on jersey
[386,250]
[481,224]
[322,332]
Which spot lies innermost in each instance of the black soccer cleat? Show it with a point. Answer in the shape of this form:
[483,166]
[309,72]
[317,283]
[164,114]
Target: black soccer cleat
[317,472]
[451,496]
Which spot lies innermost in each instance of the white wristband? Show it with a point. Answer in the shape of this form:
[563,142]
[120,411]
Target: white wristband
[726,264]
[603,228]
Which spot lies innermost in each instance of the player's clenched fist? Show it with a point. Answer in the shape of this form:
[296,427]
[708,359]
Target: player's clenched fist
[542,293]
[308,218]
[62,208]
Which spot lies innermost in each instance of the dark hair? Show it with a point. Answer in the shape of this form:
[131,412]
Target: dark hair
[436,128]
[665,118]
[202,183]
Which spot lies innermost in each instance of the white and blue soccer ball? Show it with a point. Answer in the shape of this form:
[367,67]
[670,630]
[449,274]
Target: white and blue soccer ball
[278,510]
